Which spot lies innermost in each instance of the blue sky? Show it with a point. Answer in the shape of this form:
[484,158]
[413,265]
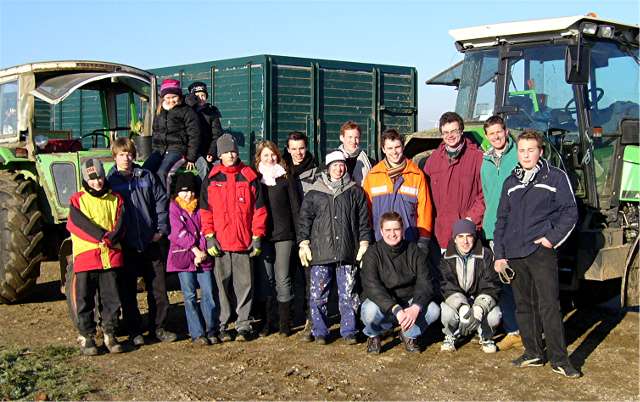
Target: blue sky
[151,34]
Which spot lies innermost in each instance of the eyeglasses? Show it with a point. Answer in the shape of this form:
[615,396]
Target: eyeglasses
[506,275]
[452,132]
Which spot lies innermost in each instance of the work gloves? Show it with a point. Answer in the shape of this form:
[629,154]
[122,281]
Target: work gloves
[256,247]
[304,252]
[364,245]
[213,247]
[468,322]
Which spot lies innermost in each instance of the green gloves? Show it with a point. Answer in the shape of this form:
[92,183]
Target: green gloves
[213,247]
[256,247]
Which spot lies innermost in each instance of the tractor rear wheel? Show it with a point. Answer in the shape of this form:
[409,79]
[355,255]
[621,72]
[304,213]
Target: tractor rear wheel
[21,236]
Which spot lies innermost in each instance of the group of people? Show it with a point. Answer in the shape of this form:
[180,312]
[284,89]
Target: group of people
[470,239]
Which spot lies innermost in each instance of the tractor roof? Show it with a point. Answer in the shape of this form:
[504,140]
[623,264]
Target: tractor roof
[71,65]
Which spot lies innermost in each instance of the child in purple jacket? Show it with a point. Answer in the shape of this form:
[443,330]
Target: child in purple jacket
[188,257]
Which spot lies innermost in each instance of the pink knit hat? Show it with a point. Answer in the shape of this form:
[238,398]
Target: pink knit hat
[170,86]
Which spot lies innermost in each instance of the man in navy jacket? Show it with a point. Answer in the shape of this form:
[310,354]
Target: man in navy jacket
[536,214]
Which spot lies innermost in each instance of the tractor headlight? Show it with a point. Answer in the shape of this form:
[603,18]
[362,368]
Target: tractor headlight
[605,31]
[589,28]
[41,141]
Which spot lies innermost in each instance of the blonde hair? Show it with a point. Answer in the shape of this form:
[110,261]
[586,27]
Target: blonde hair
[123,144]
[273,147]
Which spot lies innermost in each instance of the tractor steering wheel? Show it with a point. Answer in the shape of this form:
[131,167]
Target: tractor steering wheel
[569,109]
[95,135]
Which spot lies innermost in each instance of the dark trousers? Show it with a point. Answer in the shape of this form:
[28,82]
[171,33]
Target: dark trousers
[150,264]
[536,291]
[85,287]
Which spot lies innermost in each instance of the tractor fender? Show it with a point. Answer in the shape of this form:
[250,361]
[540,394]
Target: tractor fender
[630,289]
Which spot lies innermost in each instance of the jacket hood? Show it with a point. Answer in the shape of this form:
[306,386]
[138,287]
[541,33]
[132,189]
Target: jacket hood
[320,186]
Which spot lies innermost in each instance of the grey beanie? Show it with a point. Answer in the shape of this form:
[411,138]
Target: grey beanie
[226,143]
[92,169]
[463,226]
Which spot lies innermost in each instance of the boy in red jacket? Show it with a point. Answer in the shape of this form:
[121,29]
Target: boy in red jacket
[234,219]
[95,224]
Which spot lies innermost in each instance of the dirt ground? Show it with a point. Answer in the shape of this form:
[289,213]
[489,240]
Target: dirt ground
[602,342]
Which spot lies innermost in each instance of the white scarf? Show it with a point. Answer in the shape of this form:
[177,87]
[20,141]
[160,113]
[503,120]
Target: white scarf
[270,173]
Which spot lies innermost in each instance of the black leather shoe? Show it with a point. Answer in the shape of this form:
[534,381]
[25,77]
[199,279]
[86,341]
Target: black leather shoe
[410,344]
[165,336]
[374,345]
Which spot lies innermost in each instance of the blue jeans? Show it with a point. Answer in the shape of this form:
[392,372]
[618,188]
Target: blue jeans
[188,282]
[161,164]
[376,322]
[348,301]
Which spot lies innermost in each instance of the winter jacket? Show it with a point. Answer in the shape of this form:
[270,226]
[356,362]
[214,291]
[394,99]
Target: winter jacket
[493,176]
[358,166]
[408,196]
[232,206]
[177,130]
[396,274]
[471,278]
[305,174]
[185,234]
[95,224]
[334,223]
[283,206]
[456,188]
[145,202]
[210,127]
[545,207]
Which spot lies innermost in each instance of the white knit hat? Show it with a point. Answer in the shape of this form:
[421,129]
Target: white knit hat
[335,156]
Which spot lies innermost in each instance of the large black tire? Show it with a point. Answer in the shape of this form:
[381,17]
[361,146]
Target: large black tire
[631,283]
[21,237]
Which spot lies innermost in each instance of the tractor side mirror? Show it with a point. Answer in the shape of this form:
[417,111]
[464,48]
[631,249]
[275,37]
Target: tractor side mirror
[577,61]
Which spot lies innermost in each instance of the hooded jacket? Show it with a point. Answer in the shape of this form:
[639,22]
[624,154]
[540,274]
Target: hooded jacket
[232,206]
[177,130]
[456,188]
[396,274]
[210,127]
[145,203]
[334,223]
[545,207]
[408,195]
[471,278]
[185,234]
[493,176]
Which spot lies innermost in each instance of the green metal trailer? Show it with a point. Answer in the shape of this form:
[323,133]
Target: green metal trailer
[267,97]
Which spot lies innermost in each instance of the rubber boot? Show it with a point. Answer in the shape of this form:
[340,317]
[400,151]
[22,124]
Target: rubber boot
[284,311]
[268,318]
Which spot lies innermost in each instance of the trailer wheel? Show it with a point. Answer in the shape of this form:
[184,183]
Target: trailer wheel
[21,236]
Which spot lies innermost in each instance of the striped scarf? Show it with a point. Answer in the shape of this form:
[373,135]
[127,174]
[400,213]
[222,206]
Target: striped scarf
[394,172]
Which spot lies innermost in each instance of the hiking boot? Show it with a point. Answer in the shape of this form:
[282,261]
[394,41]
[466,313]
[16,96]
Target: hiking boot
[351,340]
[112,344]
[509,342]
[321,340]
[410,344]
[528,361]
[307,336]
[87,345]
[265,331]
[566,369]
[488,346]
[165,336]
[244,335]
[201,341]
[449,344]
[225,336]
[137,340]
[374,345]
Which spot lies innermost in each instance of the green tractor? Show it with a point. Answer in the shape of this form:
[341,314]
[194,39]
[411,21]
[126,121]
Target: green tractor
[576,80]
[53,116]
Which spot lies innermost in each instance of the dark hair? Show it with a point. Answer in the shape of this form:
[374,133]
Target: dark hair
[350,125]
[297,136]
[450,117]
[391,134]
[391,216]
[493,120]
[530,134]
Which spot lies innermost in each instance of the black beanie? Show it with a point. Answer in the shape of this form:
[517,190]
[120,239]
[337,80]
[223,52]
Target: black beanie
[198,86]
[186,182]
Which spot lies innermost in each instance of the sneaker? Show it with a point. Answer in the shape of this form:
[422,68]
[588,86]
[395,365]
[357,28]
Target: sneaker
[509,342]
[528,361]
[351,340]
[449,344]
[374,345]
[566,369]
[410,344]
[488,346]
[321,340]
[165,336]
[112,344]
[244,335]
[137,340]
[87,345]
[225,336]
[307,336]
[213,339]
[201,341]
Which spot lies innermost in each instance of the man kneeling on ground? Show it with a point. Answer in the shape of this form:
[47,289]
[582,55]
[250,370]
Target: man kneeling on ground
[470,288]
[397,286]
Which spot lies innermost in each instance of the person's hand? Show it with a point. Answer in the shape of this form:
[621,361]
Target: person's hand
[190,166]
[500,265]
[156,237]
[213,247]
[478,313]
[256,247]
[544,241]
[209,158]
[304,253]
[411,315]
[199,255]
[364,245]
[468,323]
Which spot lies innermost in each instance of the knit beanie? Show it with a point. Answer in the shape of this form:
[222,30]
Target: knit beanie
[198,86]
[170,86]
[92,169]
[186,182]
[226,143]
[463,226]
